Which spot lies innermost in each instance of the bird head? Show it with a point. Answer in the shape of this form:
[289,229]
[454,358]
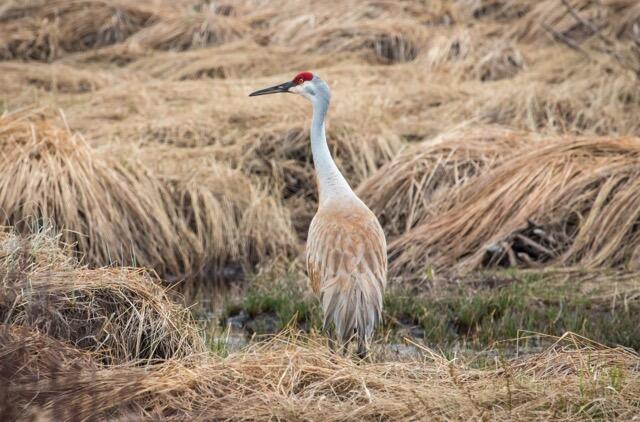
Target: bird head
[306,84]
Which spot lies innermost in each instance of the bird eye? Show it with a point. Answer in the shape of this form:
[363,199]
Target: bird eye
[300,81]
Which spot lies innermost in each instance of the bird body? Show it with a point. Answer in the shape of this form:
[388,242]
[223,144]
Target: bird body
[346,246]
[347,265]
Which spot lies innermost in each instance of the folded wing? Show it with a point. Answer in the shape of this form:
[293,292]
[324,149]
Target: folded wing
[347,266]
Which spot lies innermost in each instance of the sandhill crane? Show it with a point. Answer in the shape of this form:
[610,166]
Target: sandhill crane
[346,247]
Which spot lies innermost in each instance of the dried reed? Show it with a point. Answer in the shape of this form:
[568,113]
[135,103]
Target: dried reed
[121,314]
[404,191]
[119,212]
[291,377]
[582,192]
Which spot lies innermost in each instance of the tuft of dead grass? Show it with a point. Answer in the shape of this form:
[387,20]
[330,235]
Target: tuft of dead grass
[391,42]
[118,314]
[55,78]
[467,54]
[102,207]
[40,250]
[403,192]
[120,212]
[190,31]
[232,60]
[581,194]
[232,219]
[290,376]
[616,17]
[37,30]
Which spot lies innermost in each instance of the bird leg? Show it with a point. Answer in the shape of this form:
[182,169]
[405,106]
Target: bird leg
[333,344]
[331,340]
[362,351]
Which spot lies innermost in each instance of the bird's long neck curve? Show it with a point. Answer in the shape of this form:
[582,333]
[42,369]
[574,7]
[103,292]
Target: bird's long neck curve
[331,183]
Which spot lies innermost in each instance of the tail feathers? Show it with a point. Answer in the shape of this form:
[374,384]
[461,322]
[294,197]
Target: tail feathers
[354,308]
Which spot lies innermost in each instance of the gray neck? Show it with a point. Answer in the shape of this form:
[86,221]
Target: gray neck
[331,183]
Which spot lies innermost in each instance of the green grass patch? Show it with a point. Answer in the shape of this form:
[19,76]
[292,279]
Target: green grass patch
[272,303]
[472,315]
[531,302]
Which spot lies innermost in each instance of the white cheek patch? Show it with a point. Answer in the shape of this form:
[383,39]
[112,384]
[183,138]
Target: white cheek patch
[296,89]
[305,89]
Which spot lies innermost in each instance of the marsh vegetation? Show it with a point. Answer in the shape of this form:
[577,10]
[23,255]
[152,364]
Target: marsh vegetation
[154,218]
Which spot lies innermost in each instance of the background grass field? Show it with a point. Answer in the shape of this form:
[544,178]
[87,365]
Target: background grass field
[155,217]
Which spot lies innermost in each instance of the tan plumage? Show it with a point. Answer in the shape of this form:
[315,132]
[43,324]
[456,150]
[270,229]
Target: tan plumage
[346,247]
[347,266]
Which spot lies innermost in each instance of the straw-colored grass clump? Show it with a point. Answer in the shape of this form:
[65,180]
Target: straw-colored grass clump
[404,192]
[42,250]
[38,30]
[567,201]
[616,17]
[233,60]
[293,377]
[120,212]
[118,314]
[391,42]
[56,78]
[104,343]
[232,219]
[112,212]
[179,33]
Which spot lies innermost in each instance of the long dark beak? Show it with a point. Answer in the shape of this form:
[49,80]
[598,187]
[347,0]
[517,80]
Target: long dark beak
[273,90]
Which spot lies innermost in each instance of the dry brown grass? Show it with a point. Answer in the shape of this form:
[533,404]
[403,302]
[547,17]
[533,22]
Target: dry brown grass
[232,219]
[42,250]
[119,212]
[387,42]
[404,192]
[118,314]
[292,377]
[228,61]
[191,31]
[43,31]
[614,16]
[583,193]
[101,206]
[105,343]
[177,170]
[56,78]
